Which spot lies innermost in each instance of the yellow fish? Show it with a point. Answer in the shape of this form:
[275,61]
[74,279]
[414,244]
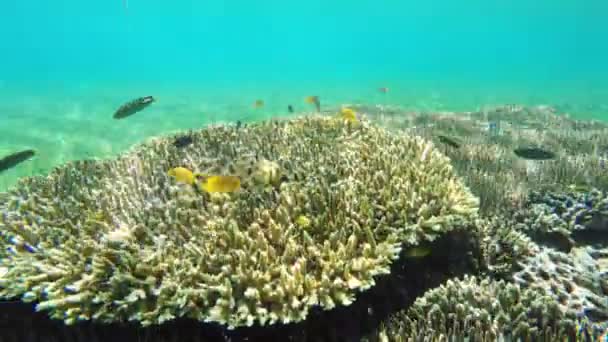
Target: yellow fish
[258,104]
[218,183]
[311,99]
[314,100]
[348,115]
[303,221]
[182,175]
[418,252]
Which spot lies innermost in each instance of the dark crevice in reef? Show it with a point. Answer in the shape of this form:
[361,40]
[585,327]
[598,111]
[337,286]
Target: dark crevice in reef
[556,240]
[595,232]
[453,255]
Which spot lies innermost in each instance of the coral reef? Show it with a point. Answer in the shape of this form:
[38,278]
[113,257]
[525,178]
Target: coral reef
[119,240]
[537,256]
[502,246]
[409,278]
[574,280]
[566,218]
[485,159]
[480,310]
[557,203]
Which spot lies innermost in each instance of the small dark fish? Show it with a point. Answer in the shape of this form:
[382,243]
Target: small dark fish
[183,141]
[448,141]
[534,153]
[290,109]
[238,124]
[14,159]
[133,107]
[383,90]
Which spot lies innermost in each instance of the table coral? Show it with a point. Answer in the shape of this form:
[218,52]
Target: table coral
[118,239]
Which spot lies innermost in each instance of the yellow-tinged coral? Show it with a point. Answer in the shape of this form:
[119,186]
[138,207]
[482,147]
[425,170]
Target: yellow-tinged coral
[119,240]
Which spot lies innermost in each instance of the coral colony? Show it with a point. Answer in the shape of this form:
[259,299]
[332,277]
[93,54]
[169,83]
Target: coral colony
[324,209]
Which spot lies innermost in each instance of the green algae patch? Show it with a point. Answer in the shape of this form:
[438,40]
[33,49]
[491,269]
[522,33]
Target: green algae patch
[120,240]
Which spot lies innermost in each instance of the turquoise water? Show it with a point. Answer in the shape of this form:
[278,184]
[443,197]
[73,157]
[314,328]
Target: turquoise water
[65,67]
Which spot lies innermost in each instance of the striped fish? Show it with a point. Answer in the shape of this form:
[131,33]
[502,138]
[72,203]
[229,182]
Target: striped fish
[133,107]
[16,158]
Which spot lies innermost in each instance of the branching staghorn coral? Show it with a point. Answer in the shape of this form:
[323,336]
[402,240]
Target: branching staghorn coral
[479,310]
[503,245]
[119,240]
[485,158]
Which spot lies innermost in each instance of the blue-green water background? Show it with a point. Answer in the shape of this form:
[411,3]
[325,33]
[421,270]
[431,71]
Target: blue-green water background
[67,65]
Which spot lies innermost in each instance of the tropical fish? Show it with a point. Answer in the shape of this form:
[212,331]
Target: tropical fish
[534,153]
[254,171]
[448,141]
[314,100]
[383,90]
[182,175]
[238,124]
[218,183]
[302,221]
[16,158]
[266,172]
[133,107]
[348,114]
[183,141]
[418,252]
[258,104]
[290,108]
